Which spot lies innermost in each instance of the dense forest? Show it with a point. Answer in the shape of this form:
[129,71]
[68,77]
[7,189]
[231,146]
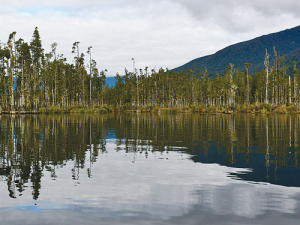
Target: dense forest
[34,81]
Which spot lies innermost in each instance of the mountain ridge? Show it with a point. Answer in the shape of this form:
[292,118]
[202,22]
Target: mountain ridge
[250,51]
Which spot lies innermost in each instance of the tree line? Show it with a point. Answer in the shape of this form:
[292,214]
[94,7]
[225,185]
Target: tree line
[32,80]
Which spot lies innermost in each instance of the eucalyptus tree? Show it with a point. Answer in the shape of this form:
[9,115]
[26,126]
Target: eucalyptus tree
[79,59]
[267,65]
[259,84]
[147,84]
[37,54]
[47,79]
[159,87]
[119,90]
[282,82]
[11,70]
[75,50]
[137,84]
[19,88]
[241,92]
[62,84]
[128,89]
[96,88]
[102,83]
[24,61]
[247,65]
[71,82]
[90,53]
[187,87]
[220,89]
[296,83]
[142,93]
[275,77]
[4,56]
[53,51]
[230,86]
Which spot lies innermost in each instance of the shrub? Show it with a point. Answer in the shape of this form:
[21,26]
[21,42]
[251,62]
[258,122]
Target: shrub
[263,111]
[194,108]
[101,110]
[55,109]
[90,110]
[281,110]
[269,107]
[76,109]
[290,109]
[155,109]
[106,107]
[202,109]
[146,108]
[218,108]
[185,109]
[239,108]
[42,109]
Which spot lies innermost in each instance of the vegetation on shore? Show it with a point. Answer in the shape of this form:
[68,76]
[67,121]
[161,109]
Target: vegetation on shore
[32,81]
[262,109]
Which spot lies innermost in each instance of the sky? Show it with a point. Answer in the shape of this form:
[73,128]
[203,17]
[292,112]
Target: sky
[156,33]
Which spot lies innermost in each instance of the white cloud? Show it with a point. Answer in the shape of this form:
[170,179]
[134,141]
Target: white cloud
[156,33]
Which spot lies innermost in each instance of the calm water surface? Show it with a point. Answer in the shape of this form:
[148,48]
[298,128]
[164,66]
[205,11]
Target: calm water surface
[149,169]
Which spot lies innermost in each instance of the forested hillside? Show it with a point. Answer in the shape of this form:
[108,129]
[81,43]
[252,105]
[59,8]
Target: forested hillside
[34,81]
[286,42]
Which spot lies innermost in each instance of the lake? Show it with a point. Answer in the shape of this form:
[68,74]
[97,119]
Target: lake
[149,169]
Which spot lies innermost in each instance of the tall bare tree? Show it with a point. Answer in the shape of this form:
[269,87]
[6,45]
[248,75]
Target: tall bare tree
[267,65]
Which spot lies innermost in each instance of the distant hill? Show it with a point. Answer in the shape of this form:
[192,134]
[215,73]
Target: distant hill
[111,81]
[286,42]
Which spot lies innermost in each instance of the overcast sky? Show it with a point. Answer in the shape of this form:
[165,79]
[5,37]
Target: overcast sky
[156,33]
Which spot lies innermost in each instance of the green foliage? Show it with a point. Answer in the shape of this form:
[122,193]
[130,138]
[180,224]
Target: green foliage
[263,111]
[281,110]
[194,108]
[76,109]
[96,110]
[290,109]
[238,107]
[268,107]
[101,110]
[55,109]
[171,110]
[42,109]
[146,108]
[202,109]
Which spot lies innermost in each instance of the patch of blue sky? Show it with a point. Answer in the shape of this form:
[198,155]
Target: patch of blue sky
[37,10]
[50,11]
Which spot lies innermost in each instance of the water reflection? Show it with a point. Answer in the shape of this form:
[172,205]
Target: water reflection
[267,144]
[150,168]
[33,145]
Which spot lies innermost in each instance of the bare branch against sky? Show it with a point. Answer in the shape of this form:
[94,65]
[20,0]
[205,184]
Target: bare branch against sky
[156,33]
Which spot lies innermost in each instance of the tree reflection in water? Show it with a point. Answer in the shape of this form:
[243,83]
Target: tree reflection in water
[31,146]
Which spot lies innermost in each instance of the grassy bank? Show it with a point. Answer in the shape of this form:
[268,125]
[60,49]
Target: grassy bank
[257,108]
[75,109]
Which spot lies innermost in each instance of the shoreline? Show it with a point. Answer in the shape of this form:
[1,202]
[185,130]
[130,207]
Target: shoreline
[157,110]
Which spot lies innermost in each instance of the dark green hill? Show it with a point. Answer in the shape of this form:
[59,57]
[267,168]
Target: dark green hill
[286,42]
